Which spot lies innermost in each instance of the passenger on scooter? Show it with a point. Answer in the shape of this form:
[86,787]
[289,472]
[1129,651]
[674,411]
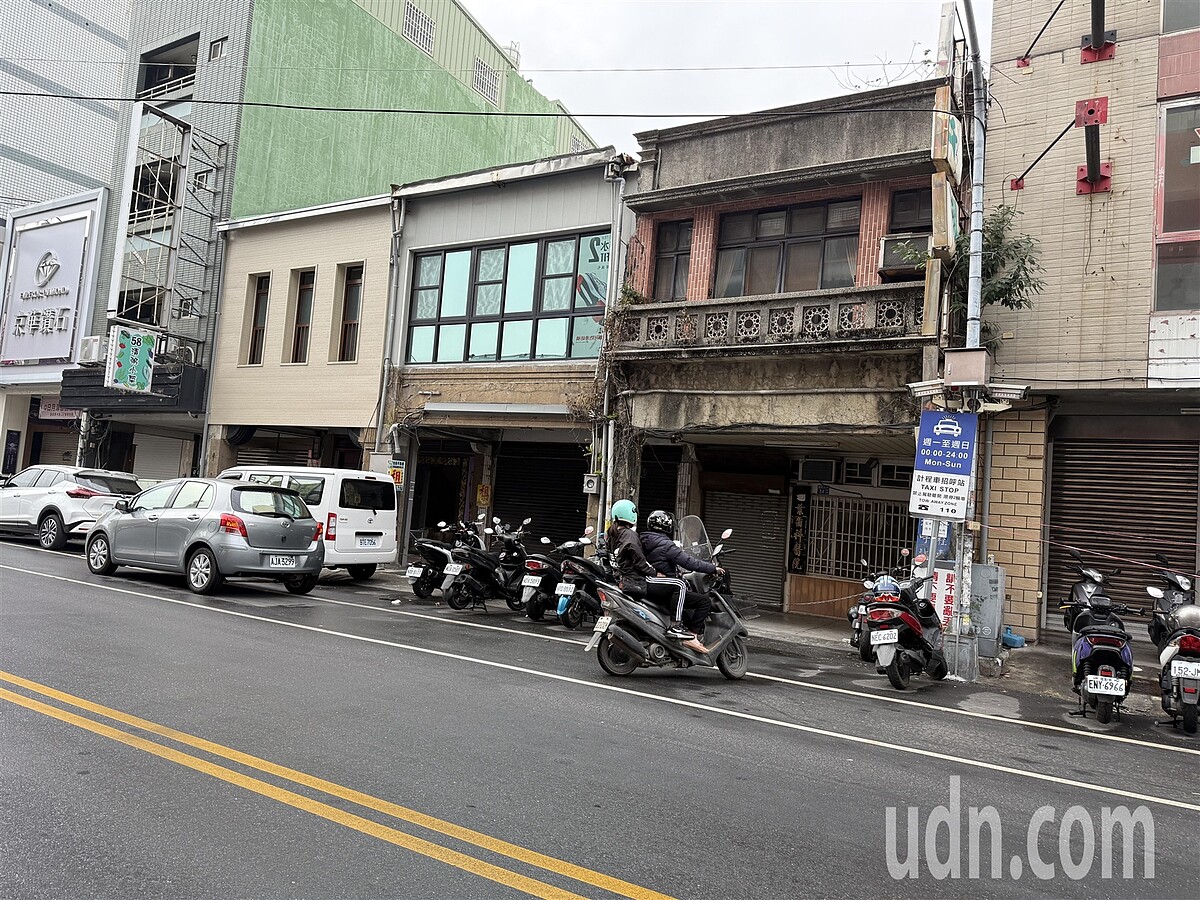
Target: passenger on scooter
[639,578]
[668,558]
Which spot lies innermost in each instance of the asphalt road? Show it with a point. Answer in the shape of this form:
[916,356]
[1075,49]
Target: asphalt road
[256,744]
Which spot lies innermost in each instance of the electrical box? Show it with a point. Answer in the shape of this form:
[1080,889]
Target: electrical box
[967,368]
[591,483]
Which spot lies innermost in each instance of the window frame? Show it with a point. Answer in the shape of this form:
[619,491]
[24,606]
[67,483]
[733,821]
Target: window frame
[259,296]
[1162,238]
[349,331]
[486,81]
[300,331]
[536,316]
[673,257]
[1162,21]
[419,28]
[925,195]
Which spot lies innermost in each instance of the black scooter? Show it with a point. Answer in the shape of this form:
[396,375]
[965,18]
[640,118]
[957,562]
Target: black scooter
[544,575]
[1175,630]
[905,631]
[860,633]
[480,574]
[578,596]
[426,577]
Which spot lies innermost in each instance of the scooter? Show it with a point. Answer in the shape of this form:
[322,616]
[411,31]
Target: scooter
[905,631]
[578,597]
[1175,629]
[428,576]
[544,575]
[1101,652]
[480,574]
[860,636]
[632,632]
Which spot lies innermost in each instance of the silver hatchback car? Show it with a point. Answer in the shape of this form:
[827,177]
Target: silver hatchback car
[209,530]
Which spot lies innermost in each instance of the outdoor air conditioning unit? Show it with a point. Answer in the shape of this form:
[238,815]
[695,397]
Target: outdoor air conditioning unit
[819,470]
[93,350]
[591,483]
[896,254]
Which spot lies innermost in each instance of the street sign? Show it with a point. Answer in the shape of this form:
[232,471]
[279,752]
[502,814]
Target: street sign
[396,471]
[944,590]
[942,470]
[130,365]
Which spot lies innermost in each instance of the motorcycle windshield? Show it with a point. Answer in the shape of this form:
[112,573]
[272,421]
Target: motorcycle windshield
[694,538]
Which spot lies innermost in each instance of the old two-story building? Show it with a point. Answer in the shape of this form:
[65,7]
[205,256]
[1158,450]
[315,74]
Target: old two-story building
[774,326]
[1107,457]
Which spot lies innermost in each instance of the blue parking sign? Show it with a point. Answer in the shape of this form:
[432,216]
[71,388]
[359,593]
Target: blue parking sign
[946,444]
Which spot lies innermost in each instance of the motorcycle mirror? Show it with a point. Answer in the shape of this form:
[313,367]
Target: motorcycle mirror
[921,558]
[1162,559]
[726,533]
[545,540]
[527,521]
[865,563]
[1075,554]
[905,552]
[489,531]
[1154,592]
[868,583]
[585,540]
[717,549]
[495,521]
[441,524]
[589,530]
[1115,572]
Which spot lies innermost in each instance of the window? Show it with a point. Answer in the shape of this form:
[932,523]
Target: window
[672,260]
[358,493]
[576,145]
[140,305]
[801,248]
[310,489]
[24,479]
[1177,260]
[154,498]
[169,70]
[418,27]
[216,50]
[844,530]
[202,180]
[893,475]
[258,319]
[351,311]
[153,190]
[912,211]
[193,495]
[487,81]
[856,471]
[1180,15]
[266,501]
[540,299]
[302,321]
[48,478]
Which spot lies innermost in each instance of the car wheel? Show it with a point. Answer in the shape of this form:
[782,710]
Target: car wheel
[203,576]
[99,556]
[301,584]
[51,533]
[361,573]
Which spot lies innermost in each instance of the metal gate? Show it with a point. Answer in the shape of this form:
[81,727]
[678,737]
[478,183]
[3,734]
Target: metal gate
[267,448]
[1125,499]
[159,457]
[759,523]
[543,482]
[58,448]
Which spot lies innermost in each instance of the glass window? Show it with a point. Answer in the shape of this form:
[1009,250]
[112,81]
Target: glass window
[841,258]
[193,495]
[310,488]
[273,480]
[451,343]
[429,271]
[274,502]
[807,220]
[556,294]
[487,300]
[351,312]
[591,283]
[673,260]
[358,493]
[517,337]
[1177,276]
[803,270]
[304,304]
[762,270]
[1180,15]
[155,498]
[559,256]
[48,478]
[1181,170]
[454,287]
[25,478]
[258,319]
[912,211]
[518,286]
[483,341]
[552,338]
[107,484]
[586,334]
[731,273]
[420,347]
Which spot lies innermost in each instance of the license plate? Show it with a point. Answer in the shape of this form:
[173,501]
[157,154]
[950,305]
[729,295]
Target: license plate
[862,610]
[886,636]
[282,562]
[1182,668]
[564,589]
[414,571]
[452,569]
[368,542]
[602,624]
[1100,684]
[531,581]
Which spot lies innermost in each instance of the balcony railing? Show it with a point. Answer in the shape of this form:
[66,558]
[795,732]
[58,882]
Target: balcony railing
[751,324]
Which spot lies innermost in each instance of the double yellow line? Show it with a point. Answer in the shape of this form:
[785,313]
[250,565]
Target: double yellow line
[433,850]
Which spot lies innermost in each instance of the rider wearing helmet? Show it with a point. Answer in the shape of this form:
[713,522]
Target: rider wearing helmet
[668,558]
[638,577]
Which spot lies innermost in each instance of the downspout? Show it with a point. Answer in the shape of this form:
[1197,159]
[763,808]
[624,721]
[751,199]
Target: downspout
[212,356]
[614,173]
[399,210]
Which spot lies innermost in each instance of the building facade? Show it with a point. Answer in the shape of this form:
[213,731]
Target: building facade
[1106,456]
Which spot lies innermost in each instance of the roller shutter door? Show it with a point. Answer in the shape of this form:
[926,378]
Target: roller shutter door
[1126,499]
[759,523]
[276,450]
[58,448]
[543,482]
[159,457]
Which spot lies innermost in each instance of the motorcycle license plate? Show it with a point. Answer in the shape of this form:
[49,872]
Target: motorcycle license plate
[531,581]
[283,562]
[1111,687]
[886,636]
[564,589]
[602,624]
[1182,668]
[452,569]
[414,571]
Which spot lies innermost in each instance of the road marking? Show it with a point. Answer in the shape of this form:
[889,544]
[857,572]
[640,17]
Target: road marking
[689,704]
[325,811]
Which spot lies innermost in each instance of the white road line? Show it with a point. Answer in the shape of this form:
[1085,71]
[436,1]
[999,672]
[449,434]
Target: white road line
[688,704]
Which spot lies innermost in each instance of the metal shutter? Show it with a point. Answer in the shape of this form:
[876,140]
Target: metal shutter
[759,523]
[277,450]
[1127,499]
[158,457]
[543,482]
[58,448]
[660,472]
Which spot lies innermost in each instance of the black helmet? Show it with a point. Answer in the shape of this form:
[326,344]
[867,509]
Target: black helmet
[661,521]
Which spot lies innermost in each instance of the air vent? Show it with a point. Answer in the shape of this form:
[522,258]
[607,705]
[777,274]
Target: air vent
[901,254]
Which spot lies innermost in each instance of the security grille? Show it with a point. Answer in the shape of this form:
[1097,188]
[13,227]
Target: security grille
[487,81]
[418,27]
[760,524]
[844,530]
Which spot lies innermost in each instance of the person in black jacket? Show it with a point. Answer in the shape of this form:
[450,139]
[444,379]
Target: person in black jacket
[668,558]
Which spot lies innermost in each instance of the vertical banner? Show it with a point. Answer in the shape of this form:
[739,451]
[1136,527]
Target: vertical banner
[12,447]
[130,364]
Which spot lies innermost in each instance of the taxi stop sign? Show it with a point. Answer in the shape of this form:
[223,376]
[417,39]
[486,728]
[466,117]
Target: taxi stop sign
[942,472]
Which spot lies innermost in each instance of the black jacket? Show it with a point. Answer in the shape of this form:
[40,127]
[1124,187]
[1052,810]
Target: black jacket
[626,551]
[662,553]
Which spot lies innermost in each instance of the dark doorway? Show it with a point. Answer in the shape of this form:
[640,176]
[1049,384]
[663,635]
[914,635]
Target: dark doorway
[440,492]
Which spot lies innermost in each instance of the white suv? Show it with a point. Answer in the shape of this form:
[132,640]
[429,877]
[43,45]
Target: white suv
[60,502]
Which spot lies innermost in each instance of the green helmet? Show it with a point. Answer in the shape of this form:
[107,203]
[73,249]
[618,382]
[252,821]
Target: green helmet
[624,511]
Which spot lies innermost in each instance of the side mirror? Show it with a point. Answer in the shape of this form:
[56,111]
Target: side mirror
[726,533]
[527,521]
[545,540]
[921,558]
[121,505]
[585,540]
[1075,555]
[479,518]
[1154,592]
[866,565]
[442,525]
[590,530]
[868,584]
[495,521]
[906,552]
[1162,559]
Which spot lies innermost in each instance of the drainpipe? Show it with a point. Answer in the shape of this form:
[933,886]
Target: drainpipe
[613,173]
[212,356]
[399,210]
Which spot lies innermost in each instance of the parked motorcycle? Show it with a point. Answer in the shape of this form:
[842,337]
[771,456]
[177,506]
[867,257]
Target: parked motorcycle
[857,614]
[1175,629]
[1101,652]
[426,577]
[496,573]
[632,631]
[544,575]
[578,596]
[905,631]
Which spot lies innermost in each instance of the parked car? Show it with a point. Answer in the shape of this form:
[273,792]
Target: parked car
[210,529]
[58,503]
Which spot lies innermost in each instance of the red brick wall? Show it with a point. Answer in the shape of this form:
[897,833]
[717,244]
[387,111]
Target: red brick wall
[1179,65]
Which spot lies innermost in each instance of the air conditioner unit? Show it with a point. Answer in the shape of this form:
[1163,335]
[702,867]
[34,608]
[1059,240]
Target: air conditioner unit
[901,254]
[819,470]
[591,483]
[93,350]
[175,350]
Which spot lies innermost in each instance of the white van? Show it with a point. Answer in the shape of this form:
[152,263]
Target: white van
[356,509]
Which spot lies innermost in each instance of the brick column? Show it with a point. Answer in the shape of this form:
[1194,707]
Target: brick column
[639,266]
[704,253]
[873,225]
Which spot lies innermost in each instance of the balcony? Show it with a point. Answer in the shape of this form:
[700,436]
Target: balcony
[175,387]
[862,318]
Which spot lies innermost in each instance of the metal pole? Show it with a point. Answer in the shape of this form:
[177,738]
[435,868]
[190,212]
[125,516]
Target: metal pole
[614,172]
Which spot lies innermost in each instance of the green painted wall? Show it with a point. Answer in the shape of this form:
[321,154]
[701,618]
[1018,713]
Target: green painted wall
[334,53]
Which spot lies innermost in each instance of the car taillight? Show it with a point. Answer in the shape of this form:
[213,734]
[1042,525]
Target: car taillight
[534,565]
[331,527]
[231,524]
[320,529]
[82,493]
[1189,643]
[880,615]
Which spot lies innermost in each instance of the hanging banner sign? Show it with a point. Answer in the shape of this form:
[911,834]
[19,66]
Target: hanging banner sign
[130,365]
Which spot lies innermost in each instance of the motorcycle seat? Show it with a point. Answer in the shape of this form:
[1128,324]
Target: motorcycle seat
[1106,630]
